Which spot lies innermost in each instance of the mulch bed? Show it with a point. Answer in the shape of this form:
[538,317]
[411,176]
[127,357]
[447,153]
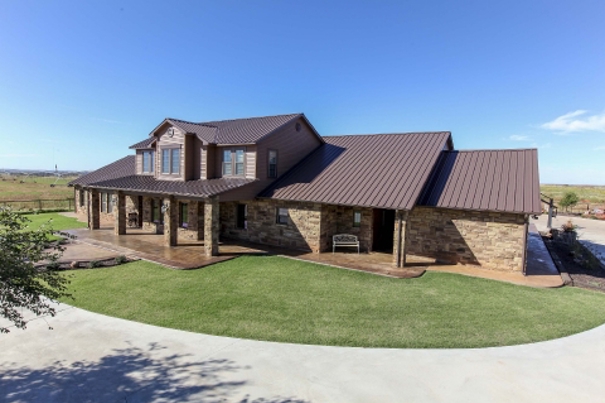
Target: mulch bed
[584,270]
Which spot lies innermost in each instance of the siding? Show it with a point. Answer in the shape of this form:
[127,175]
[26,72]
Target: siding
[291,146]
[250,160]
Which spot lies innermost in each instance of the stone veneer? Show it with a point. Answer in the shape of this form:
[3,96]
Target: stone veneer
[339,220]
[195,224]
[492,240]
[302,231]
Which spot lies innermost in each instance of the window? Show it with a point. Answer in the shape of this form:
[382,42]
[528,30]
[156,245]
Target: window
[171,161]
[81,197]
[106,202]
[183,215]
[233,162]
[357,218]
[148,161]
[176,161]
[272,164]
[282,216]
[156,210]
[227,163]
[242,216]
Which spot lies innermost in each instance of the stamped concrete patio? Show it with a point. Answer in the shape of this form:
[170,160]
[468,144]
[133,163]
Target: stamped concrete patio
[541,272]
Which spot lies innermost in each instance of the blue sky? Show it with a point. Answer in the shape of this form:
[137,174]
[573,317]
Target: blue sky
[81,81]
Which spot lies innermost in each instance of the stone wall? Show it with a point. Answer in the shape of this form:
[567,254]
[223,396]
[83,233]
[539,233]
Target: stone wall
[302,231]
[493,240]
[339,220]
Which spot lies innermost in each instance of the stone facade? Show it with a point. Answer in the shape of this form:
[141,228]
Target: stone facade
[211,226]
[493,240]
[339,220]
[302,231]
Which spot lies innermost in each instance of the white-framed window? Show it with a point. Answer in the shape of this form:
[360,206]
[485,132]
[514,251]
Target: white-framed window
[282,216]
[148,161]
[234,162]
[171,161]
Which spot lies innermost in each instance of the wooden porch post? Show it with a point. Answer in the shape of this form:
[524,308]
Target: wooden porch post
[211,226]
[399,238]
[171,209]
[94,215]
[119,227]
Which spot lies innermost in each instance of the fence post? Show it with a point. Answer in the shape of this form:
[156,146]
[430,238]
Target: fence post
[39,204]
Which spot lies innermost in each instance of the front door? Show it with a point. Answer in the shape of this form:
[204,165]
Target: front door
[383,227]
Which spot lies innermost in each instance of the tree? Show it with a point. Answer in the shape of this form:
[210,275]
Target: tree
[24,284]
[569,199]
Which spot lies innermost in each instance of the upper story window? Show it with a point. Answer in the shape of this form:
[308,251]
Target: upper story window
[148,161]
[272,164]
[171,161]
[233,162]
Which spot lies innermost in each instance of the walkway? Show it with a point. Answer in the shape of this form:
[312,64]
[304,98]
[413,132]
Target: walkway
[95,358]
[591,233]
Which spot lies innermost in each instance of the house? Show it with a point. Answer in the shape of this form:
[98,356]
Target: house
[274,180]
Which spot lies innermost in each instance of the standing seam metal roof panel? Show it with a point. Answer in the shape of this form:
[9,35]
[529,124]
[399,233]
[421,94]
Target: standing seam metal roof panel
[501,180]
[382,170]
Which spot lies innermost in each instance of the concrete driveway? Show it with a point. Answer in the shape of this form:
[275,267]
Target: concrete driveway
[95,358]
[591,233]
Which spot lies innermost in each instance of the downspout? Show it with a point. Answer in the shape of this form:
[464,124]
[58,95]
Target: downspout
[525,231]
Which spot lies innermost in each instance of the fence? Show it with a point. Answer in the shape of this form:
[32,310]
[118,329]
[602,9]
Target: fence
[39,204]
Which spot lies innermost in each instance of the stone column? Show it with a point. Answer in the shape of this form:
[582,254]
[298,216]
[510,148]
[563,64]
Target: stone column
[171,216]
[211,226]
[119,227]
[201,226]
[399,238]
[94,209]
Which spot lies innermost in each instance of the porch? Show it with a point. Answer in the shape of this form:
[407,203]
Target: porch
[191,255]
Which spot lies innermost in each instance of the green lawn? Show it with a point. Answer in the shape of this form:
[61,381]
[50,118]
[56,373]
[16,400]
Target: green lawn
[56,221]
[273,298]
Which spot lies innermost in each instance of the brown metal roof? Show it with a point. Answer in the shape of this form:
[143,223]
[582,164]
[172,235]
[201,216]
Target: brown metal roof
[145,144]
[382,170]
[488,180]
[234,131]
[193,188]
[120,175]
[117,169]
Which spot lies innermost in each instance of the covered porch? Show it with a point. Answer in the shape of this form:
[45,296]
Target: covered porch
[191,254]
[194,221]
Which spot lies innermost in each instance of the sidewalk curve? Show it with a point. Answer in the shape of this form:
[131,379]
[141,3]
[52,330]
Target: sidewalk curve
[90,357]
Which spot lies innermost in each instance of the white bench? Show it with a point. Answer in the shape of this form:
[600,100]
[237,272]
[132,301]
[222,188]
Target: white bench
[345,240]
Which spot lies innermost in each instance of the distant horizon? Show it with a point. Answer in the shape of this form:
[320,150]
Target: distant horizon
[84,171]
